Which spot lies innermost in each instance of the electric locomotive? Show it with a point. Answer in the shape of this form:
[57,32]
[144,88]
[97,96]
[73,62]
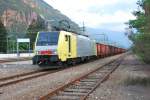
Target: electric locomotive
[62,47]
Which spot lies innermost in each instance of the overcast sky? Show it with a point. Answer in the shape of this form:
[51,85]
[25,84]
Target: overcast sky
[104,14]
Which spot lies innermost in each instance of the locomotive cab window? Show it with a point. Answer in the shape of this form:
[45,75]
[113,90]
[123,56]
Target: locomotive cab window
[47,38]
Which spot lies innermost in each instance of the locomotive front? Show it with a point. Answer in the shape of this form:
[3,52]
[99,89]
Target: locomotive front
[46,47]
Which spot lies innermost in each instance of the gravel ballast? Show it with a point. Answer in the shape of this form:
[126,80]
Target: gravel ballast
[119,87]
[33,89]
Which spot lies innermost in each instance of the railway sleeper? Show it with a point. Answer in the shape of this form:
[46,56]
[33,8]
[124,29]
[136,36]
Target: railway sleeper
[109,67]
[102,72]
[83,87]
[92,78]
[112,65]
[76,90]
[80,87]
[66,97]
[85,84]
[97,76]
[71,93]
[87,80]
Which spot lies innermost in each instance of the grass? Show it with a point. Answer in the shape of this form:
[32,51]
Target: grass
[143,81]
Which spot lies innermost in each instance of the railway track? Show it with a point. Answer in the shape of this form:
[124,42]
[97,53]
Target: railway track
[10,80]
[6,81]
[81,87]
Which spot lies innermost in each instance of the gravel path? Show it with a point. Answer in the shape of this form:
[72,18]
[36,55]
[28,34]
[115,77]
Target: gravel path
[33,89]
[116,87]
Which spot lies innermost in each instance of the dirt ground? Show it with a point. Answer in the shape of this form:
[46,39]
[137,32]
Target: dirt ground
[131,81]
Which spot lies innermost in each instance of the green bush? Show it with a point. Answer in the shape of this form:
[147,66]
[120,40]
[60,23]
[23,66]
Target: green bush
[143,81]
[142,46]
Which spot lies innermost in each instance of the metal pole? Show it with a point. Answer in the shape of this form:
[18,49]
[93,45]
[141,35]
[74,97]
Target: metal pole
[17,49]
[83,27]
[7,44]
[29,48]
[13,45]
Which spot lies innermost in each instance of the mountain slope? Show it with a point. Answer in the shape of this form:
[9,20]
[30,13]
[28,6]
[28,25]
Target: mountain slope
[17,15]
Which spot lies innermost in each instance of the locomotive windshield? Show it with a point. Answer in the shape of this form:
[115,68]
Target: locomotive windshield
[47,38]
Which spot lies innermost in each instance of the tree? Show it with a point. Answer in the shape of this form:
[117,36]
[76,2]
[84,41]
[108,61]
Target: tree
[34,28]
[141,39]
[142,23]
[3,38]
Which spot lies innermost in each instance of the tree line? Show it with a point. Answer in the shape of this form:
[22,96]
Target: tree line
[33,28]
[141,38]
[3,37]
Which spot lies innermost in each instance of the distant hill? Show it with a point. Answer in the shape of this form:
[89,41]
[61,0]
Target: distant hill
[17,15]
[113,36]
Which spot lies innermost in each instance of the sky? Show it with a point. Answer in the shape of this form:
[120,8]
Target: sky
[99,14]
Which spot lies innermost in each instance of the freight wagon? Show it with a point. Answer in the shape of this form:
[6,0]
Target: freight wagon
[104,50]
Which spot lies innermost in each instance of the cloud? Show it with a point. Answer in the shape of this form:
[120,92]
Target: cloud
[98,19]
[95,13]
[79,4]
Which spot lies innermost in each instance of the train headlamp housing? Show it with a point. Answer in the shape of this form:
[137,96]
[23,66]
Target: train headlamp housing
[54,52]
[46,52]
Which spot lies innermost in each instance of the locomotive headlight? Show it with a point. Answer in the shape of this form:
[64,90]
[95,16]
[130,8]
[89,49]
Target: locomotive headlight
[55,52]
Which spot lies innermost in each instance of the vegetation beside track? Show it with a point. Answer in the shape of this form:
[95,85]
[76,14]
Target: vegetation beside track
[143,81]
[141,39]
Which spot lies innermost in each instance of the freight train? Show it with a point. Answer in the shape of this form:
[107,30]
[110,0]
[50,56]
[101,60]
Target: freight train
[69,48]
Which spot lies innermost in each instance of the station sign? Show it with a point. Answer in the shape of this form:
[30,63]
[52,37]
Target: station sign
[24,40]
